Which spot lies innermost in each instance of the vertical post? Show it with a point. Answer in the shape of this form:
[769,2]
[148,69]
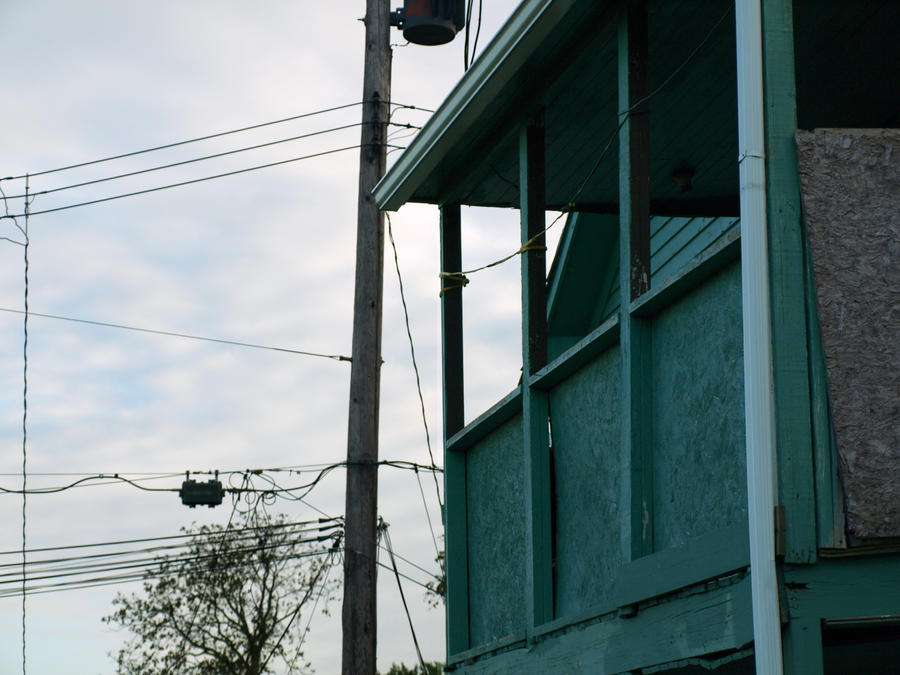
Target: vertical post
[634,271]
[535,405]
[457,563]
[359,609]
[793,418]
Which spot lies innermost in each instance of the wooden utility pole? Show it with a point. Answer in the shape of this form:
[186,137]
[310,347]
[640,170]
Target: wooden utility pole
[359,611]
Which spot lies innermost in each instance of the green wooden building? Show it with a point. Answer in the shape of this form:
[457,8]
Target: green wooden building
[700,466]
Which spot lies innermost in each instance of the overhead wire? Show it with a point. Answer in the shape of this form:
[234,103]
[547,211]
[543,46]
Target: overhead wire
[194,160]
[399,106]
[390,550]
[412,351]
[303,601]
[192,181]
[187,336]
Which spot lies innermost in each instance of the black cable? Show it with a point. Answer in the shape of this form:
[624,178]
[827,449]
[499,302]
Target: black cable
[477,32]
[195,159]
[187,535]
[153,331]
[192,140]
[466,42]
[412,351]
[190,182]
[122,578]
[400,106]
[241,535]
[274,490]
[306,597]
[390,549]
[40,573]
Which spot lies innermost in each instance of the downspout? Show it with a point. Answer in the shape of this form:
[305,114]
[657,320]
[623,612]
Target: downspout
[759,390]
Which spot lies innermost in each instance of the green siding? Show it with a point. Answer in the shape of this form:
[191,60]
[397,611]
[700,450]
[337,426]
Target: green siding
[675,241]
[496,528]
[699,481]
[586,445]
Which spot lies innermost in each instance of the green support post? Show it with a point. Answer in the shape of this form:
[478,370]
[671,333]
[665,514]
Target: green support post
[793,423]
[456,560]
[535,403]
[634,273]
[803,647]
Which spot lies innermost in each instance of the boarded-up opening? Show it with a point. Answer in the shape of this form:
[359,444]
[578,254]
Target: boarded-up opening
[851,195]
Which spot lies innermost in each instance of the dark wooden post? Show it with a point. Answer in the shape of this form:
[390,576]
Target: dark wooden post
[359,608]
[454,418]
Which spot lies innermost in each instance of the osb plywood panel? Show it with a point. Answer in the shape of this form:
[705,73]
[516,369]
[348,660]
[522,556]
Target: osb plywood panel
[851,194]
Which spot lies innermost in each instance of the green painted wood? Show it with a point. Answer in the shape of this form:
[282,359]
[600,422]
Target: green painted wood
[535,413]
[803,647]
[686,244]
[682,628]
[637,132]
[829,496]
[793,425]
[697,413]
[863,586]
[580,279]
[498,414]
[692,274]
[496,498]
[579,355]
[711,555]
[635,332]
[457,606]
[584,413]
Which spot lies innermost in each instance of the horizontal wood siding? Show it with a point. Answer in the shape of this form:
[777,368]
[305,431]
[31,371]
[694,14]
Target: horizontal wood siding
[675,241]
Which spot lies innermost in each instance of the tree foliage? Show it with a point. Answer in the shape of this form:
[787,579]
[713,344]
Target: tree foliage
[432,668]
[230,606]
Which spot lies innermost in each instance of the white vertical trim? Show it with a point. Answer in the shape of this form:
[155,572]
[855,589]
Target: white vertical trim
[759,391]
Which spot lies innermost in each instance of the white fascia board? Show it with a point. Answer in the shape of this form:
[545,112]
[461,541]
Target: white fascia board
[532,23]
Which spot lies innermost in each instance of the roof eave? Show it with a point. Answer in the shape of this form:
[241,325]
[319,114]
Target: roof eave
[492,72]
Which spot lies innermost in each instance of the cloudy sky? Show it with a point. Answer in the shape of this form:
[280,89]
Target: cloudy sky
[264,257]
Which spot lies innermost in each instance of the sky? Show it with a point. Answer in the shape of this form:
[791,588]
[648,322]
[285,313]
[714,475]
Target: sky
[265,257]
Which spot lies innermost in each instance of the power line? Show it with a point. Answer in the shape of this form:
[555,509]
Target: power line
[194,160]
[190,182]
[412,352]
[251,127]
[153,331]
[197,180]
[187,535]
[390,549]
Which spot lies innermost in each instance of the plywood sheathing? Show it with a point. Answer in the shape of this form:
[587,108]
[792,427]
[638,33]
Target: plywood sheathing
[850,179]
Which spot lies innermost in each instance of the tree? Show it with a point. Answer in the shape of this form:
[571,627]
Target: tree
[230,605]
[432,668]
[436,589]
